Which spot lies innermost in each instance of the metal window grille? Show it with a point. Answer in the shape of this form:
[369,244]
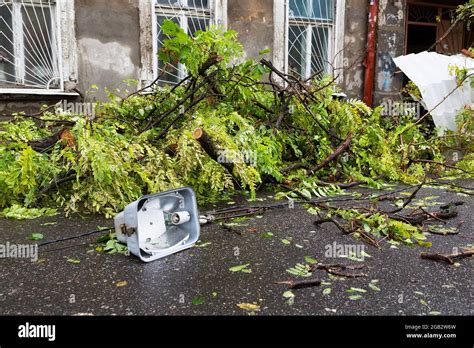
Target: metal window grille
[29,45]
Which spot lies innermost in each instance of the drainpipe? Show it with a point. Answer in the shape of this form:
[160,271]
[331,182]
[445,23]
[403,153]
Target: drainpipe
[371,53]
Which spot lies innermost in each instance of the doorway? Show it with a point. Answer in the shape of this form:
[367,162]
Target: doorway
[427,23]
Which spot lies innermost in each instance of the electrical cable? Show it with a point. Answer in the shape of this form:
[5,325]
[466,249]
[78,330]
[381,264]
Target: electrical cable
[74,237]
[237,211]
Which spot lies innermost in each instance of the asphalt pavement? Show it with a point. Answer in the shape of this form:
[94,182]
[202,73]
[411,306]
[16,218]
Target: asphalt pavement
[73,278]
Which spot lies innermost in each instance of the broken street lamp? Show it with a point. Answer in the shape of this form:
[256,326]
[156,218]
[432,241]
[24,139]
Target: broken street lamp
[159,225]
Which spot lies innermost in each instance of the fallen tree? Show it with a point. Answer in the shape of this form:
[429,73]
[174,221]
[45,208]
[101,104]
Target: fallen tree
[224,127]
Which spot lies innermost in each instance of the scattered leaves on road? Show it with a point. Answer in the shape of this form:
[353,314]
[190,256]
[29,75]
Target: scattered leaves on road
[374,287]
[74,261]
[310,260]
[300,270]
[442,230]
[355,297]
[354,290]
[250,307]
[266,235]
[241,268]
[197,301]
[36,236]
[202,245]
[327,291]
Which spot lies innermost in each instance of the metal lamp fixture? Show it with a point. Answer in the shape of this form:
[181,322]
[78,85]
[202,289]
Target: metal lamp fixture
[159,225]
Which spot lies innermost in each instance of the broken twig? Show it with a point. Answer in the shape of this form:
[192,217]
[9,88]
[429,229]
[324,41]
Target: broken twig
[337,269]
[300,284]
[449,258]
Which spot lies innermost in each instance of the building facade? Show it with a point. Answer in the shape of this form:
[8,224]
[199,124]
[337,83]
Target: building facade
[52,50]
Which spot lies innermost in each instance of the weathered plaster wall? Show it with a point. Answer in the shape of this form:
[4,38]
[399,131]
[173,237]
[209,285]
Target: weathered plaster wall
[108,39]
[355,47]
[390,44]
[29,104]
[253,20]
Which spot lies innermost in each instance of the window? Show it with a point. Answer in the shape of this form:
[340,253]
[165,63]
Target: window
[192,16]
[310,37]
[29,45]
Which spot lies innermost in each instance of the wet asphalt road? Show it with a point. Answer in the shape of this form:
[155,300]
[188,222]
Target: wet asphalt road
[198,281]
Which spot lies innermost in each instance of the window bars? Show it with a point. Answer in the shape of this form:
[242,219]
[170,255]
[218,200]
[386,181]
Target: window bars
[29,45]
[310,37]
[192,16]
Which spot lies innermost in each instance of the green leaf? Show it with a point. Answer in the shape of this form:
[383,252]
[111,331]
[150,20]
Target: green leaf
[310,260]
[18,212]
[355,297]
[286,241]
[353,290]
[74,261]
[374,287]
[300,270]
[203,245]
[306,193]
[198,301]
[288,294]
[267,235]
[36,236]
[250,307]
[419,236]
[425,244]
[327,291]
[241,268]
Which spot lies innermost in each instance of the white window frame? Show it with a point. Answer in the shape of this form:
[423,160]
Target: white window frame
[309,24]
[66,51]
[217,14]
[282,22]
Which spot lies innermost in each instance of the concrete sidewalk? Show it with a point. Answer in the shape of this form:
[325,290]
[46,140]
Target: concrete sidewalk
[199,282]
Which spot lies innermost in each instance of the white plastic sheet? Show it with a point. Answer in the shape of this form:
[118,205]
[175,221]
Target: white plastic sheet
[431,73]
